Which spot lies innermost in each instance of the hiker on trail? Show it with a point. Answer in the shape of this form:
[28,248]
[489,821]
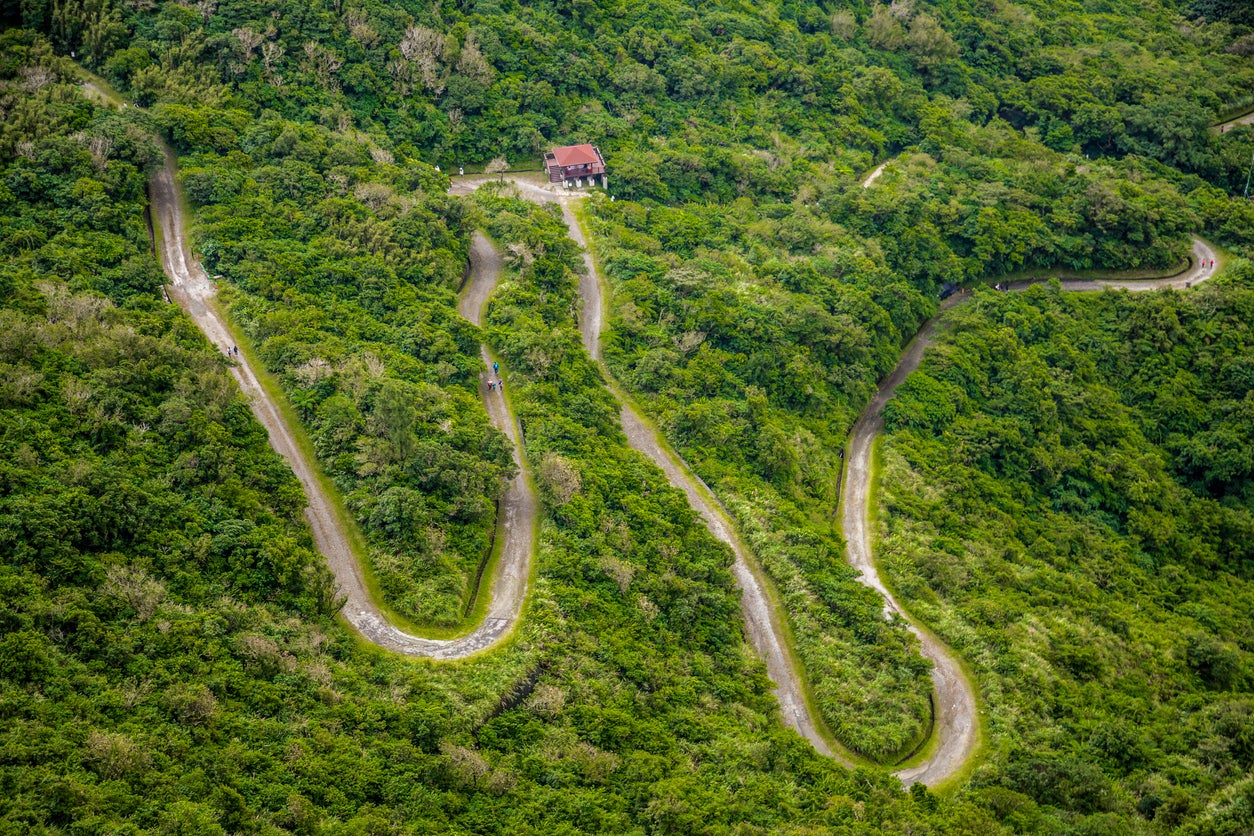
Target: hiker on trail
[496,369]
[500,385]
[491,386]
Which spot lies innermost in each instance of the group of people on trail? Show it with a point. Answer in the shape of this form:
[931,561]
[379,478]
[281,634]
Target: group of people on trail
[1208,263]
[497,385]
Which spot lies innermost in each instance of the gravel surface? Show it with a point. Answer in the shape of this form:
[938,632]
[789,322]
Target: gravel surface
[874,175]
[516,520]
[954,698]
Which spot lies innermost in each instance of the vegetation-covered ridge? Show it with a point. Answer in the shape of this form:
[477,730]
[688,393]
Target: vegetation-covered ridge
[302,127]
[761,297]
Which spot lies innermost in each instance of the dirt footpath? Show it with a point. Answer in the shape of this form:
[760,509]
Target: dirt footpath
[762,622]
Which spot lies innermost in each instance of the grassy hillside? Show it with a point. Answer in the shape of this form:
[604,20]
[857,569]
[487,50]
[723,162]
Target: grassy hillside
[169,662]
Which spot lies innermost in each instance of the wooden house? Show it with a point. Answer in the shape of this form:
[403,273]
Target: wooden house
[576,165]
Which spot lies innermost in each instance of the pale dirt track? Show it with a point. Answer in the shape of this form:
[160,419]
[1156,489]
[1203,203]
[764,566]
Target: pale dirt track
[1224,127]
[193,290]
[874,175]
[537,189]
[956,722]
[761,619]
[956,709]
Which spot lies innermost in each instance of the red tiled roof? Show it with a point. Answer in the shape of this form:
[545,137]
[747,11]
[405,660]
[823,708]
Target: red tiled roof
[575,155]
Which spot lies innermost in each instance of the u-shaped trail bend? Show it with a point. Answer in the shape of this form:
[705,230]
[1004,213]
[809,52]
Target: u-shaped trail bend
[762,620]
[956,725]
[516,521]
[956,722]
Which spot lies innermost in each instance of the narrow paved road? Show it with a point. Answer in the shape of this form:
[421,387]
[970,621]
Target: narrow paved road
[956,721]
[193,290]
[762,621]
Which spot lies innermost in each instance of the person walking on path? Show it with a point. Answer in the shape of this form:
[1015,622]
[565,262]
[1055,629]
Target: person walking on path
[496,368]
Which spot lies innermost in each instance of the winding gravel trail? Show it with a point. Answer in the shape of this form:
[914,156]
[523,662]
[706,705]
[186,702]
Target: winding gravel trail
[762,620]
[956,711]
[956,722]
[516,520]
[956,725]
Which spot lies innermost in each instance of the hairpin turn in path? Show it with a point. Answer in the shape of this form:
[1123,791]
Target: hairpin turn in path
[517,510]
[956,722]
[954,701]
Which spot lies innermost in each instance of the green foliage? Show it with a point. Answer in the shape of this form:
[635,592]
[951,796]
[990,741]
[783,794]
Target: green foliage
[346,276]
[754,363]
[760,294]
[1069,500]
[168,660]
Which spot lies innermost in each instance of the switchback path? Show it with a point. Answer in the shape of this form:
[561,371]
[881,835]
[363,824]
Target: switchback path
[956,726]
[516,520]
[762,619]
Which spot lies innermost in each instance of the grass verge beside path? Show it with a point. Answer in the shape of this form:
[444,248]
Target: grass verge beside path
[778,618]
[1143,274]
[928,746]
[356,540]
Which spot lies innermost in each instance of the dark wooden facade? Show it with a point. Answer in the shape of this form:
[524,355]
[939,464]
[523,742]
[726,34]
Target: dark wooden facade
[575,164]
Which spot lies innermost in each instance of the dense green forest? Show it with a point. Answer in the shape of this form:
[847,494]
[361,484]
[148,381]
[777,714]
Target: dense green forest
[344,276]
[1069,499]
[1066,483]
[169,663]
